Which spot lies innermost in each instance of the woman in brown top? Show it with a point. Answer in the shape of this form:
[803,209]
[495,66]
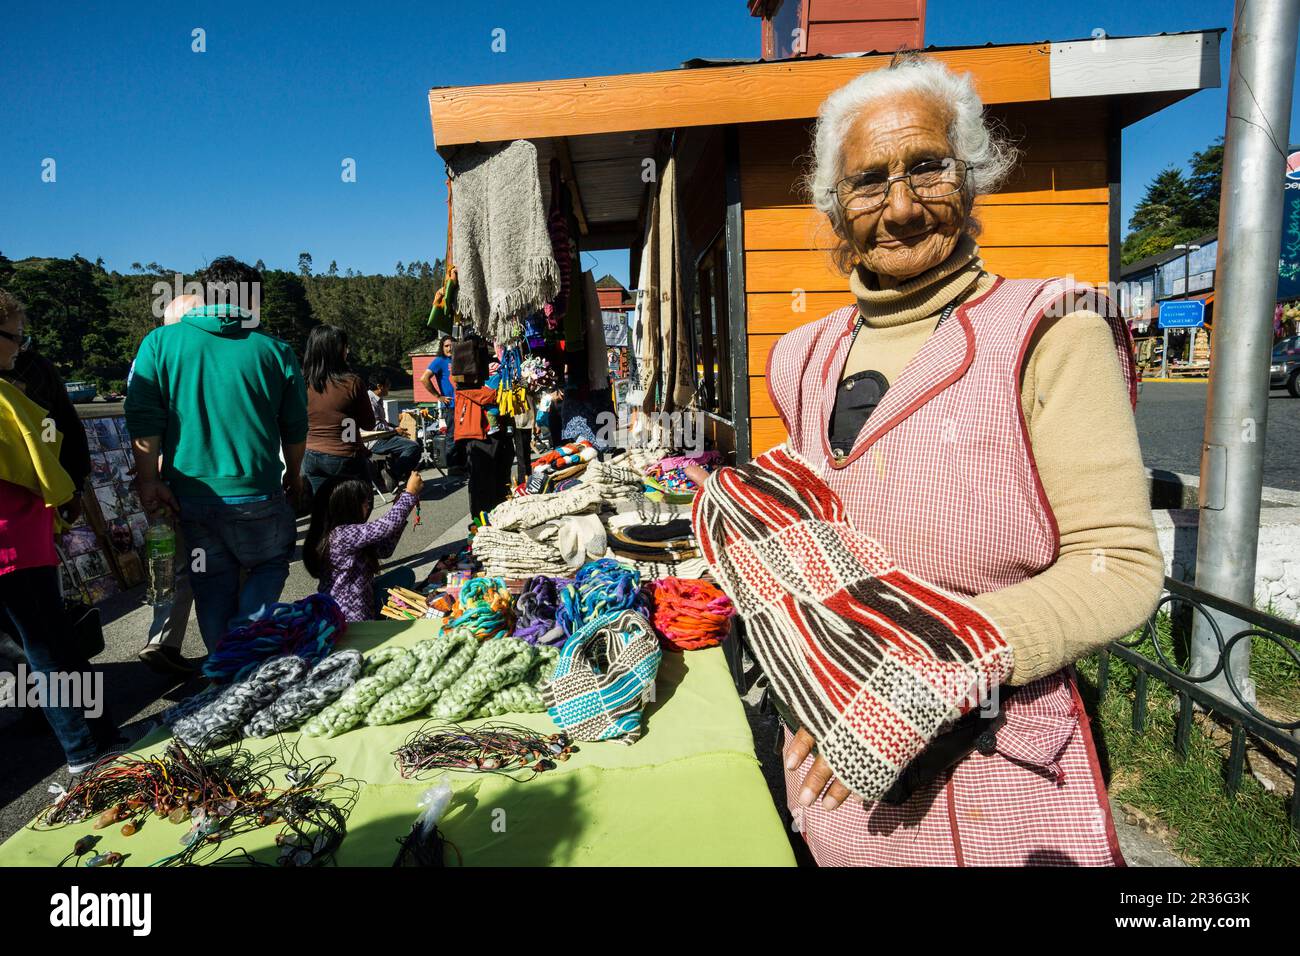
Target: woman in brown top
[338,410]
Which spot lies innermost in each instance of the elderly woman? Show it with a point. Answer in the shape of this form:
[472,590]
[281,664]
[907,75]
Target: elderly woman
[980,431]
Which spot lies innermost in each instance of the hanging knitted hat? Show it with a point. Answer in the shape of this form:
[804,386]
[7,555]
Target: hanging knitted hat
[871,660]
[605,676]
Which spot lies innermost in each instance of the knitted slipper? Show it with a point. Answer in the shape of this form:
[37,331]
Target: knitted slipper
[499,663]
[605,676]
[434,673]
[323,685]
[386,668]
[871,660]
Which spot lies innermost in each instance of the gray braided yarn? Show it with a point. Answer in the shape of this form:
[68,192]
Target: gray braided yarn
[439,662]
[224,718]
[526,696]
[386,668]
[499,663]
[192,705]
[323,685]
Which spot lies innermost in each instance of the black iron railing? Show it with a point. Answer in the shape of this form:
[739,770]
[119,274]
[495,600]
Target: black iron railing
[1183,602]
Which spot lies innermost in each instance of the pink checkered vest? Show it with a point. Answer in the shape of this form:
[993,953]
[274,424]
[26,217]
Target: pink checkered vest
[943,476]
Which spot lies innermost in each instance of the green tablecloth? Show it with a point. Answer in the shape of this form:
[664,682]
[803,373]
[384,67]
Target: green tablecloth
[689,792]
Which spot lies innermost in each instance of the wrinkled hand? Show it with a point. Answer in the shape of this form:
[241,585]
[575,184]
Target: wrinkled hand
[154,496]
[816,779]
[697,475]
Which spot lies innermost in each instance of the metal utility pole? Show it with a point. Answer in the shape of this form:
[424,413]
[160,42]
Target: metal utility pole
[1262,71]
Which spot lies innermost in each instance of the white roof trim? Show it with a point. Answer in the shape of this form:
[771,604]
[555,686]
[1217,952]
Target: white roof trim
[1107,66]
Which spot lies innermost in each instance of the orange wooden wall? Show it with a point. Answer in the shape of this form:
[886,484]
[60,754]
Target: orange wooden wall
[1050,219]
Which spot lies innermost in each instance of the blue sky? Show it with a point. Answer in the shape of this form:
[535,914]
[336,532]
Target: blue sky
[167,155]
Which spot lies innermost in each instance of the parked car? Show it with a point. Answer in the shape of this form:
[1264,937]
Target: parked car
[81,392]
[1284,372]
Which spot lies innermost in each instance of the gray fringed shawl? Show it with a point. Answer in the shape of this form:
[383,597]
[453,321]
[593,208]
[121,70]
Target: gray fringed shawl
[500,246]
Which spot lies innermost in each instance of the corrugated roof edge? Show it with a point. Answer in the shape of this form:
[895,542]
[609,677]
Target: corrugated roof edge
[698,63]
[701,62]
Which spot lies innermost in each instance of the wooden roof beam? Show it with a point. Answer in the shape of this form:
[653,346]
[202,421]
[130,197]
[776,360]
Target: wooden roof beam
[718,95]
[566,167]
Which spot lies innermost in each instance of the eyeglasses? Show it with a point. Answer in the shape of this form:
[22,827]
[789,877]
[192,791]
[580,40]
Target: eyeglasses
[24,342]
[930,179]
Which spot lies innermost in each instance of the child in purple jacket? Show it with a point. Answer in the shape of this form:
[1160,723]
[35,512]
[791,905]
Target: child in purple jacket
[343,546]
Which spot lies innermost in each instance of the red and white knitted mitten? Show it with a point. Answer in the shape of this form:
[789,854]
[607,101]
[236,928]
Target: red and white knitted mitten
[871,660]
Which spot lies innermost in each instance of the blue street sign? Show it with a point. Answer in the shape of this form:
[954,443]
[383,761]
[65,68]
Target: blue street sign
[1182,314]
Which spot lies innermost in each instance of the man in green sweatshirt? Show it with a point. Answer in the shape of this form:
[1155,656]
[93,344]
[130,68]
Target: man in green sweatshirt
[222,402]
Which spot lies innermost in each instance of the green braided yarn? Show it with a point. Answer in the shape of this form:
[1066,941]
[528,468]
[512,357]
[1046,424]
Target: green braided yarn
[386,668]
[467,648]
[499,663]
[433,674]
[526,696]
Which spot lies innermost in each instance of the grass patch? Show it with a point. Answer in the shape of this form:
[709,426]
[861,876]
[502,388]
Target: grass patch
[1208,827]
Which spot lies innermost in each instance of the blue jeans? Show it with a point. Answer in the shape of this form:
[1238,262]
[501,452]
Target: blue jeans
[31,609]
[256,538]
[403,456]
[317,467]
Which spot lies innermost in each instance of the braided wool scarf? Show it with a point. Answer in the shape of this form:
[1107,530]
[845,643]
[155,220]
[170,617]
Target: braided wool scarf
[497,664]
[439,663]
[599,588]
[386,668]
[871,660]
[308,628]
[224,718]
[486,607]
[526,696]
[690,615]
[323,685]
[605,675]
[536,608]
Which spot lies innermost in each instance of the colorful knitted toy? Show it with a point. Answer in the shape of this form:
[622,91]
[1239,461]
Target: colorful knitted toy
[871,661]
[605,676]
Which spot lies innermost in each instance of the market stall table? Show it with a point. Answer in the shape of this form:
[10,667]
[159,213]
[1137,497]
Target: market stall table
[689,792]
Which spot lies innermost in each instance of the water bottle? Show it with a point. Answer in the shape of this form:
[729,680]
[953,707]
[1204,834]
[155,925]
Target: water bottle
[160,551]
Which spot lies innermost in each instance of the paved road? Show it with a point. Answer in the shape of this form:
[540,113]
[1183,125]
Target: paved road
[31,760]
[1171,427]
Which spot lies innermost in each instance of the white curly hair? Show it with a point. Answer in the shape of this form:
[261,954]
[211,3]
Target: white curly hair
[971,136]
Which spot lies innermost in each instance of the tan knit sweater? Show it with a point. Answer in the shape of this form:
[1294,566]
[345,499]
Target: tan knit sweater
[1107,577]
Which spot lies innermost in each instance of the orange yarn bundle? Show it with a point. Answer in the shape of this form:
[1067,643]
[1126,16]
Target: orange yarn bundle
[690,614]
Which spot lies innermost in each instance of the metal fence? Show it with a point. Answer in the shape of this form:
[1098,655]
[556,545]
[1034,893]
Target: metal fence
[1184,602]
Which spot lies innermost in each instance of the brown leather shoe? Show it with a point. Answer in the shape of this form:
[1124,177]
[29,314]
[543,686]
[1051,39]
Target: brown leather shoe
[168,661]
